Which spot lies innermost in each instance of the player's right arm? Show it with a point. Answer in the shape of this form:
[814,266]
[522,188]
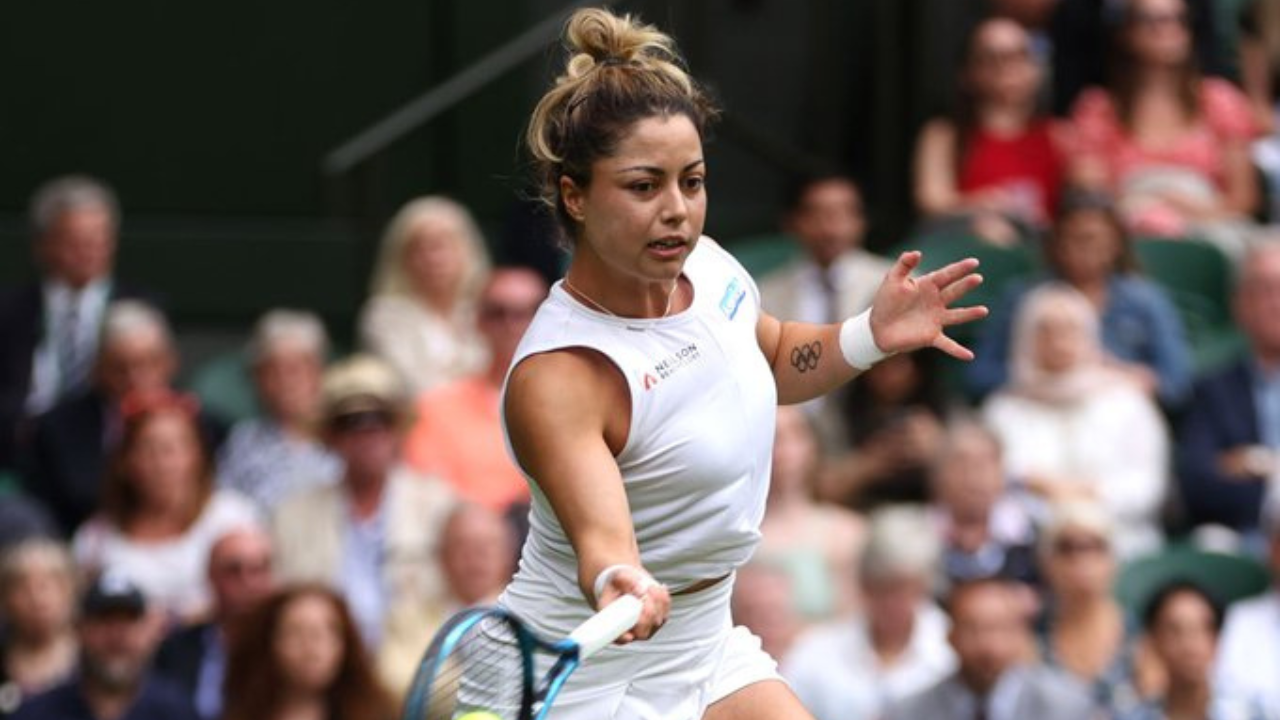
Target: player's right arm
[568,415]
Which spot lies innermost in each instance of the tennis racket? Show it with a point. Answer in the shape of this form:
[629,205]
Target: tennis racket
[484,664]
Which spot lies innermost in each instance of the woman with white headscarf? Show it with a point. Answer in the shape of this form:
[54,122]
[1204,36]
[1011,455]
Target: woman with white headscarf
[1073,428]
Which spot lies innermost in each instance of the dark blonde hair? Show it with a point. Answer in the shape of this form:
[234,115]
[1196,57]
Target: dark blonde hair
[619,71]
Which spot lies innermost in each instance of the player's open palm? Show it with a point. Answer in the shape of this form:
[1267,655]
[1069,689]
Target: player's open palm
[914,312]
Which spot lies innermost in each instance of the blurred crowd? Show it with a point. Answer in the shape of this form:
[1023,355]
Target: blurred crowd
[1084,523]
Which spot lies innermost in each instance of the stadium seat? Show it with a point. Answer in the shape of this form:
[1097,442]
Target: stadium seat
[1228,577]
[225,387]
[1198,278]
[761,254]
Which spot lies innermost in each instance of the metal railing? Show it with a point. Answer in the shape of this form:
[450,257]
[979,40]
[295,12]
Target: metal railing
[421,110]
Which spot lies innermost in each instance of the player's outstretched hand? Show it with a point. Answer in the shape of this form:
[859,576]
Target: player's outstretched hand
[909,312]
[656,597]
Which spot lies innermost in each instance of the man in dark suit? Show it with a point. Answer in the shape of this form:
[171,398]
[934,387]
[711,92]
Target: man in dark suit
[65,459]
[240,574]
[1229,437]
[49,330]
[990,633]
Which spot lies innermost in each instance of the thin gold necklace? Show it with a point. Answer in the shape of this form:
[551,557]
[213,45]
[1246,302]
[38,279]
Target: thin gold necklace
[591,301]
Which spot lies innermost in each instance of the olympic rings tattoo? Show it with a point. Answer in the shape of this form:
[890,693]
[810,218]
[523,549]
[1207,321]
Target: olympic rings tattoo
[805,357]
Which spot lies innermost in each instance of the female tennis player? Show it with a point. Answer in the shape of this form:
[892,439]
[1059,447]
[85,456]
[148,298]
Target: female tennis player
[641,402]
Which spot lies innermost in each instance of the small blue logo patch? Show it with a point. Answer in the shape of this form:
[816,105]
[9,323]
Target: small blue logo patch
[734,294]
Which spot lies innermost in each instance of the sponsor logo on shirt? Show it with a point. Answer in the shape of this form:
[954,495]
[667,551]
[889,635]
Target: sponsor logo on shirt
[732,299]
[669,365]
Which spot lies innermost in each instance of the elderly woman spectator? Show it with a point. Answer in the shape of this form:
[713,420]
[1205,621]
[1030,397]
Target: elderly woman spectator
[38,647]
[421,316]
[373,535]
[815,544]
[1173,145]
[1142,334]
[1084,630]
[299,655]
[160,511]
[853,669]
[995,164]
[1072,426]
[270,457]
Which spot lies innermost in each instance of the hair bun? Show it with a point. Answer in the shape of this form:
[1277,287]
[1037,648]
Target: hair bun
[596,37]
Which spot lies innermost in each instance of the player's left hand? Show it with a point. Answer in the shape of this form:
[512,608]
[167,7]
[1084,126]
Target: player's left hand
[909,312]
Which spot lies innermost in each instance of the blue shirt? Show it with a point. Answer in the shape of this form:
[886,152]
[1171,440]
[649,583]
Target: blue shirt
[157,700]
[1139,324]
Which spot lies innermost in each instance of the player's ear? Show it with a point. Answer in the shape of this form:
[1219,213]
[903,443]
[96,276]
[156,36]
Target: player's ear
[572,195]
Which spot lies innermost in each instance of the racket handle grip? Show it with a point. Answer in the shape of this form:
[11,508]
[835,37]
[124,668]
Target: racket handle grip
[607,625]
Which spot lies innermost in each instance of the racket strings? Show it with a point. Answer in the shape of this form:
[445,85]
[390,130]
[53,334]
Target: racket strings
[485,673]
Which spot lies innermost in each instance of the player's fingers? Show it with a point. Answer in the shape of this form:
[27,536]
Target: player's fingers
[944,276]
[960,288]
[907,262]
[958,316]
[952,348]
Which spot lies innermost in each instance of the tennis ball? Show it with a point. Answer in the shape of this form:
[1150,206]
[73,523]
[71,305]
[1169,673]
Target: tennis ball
[478,715]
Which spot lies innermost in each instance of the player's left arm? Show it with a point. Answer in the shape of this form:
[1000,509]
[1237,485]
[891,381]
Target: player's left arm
[907,313]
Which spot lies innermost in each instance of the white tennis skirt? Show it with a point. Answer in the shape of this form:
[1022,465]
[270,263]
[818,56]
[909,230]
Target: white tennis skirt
[697,658]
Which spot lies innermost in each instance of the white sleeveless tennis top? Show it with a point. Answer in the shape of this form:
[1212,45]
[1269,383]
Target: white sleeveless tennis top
[696,462]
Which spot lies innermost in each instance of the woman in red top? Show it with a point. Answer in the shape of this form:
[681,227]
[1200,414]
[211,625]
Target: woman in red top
[995,162]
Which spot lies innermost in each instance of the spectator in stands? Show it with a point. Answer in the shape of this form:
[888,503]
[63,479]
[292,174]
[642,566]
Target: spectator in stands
[994,167]
[985,532]
[1084,631]
[267,458]
[894,414]
[1248,660]
[1172,145]
[816,544]
[49,330]
[476,551]
[763,602]
[834,278]
[1142,333]
[457,435]
[114,680]
[1230,434]
[1075,429]
[38,647]
[298,655]
[1182,622]
[67,458]
[374,535]
[853,669]
[195,656]
[160,512]
[994,679]
[421,316]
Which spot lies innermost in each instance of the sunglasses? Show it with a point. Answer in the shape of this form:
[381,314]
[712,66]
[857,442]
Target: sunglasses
[994,57]
[367,420]
[1071,547]
[245,566]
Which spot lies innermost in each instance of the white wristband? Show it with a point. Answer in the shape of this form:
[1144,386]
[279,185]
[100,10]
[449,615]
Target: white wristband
[602,580]
[857,344]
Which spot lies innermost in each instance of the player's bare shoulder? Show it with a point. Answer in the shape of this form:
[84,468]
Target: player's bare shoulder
[567,391]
